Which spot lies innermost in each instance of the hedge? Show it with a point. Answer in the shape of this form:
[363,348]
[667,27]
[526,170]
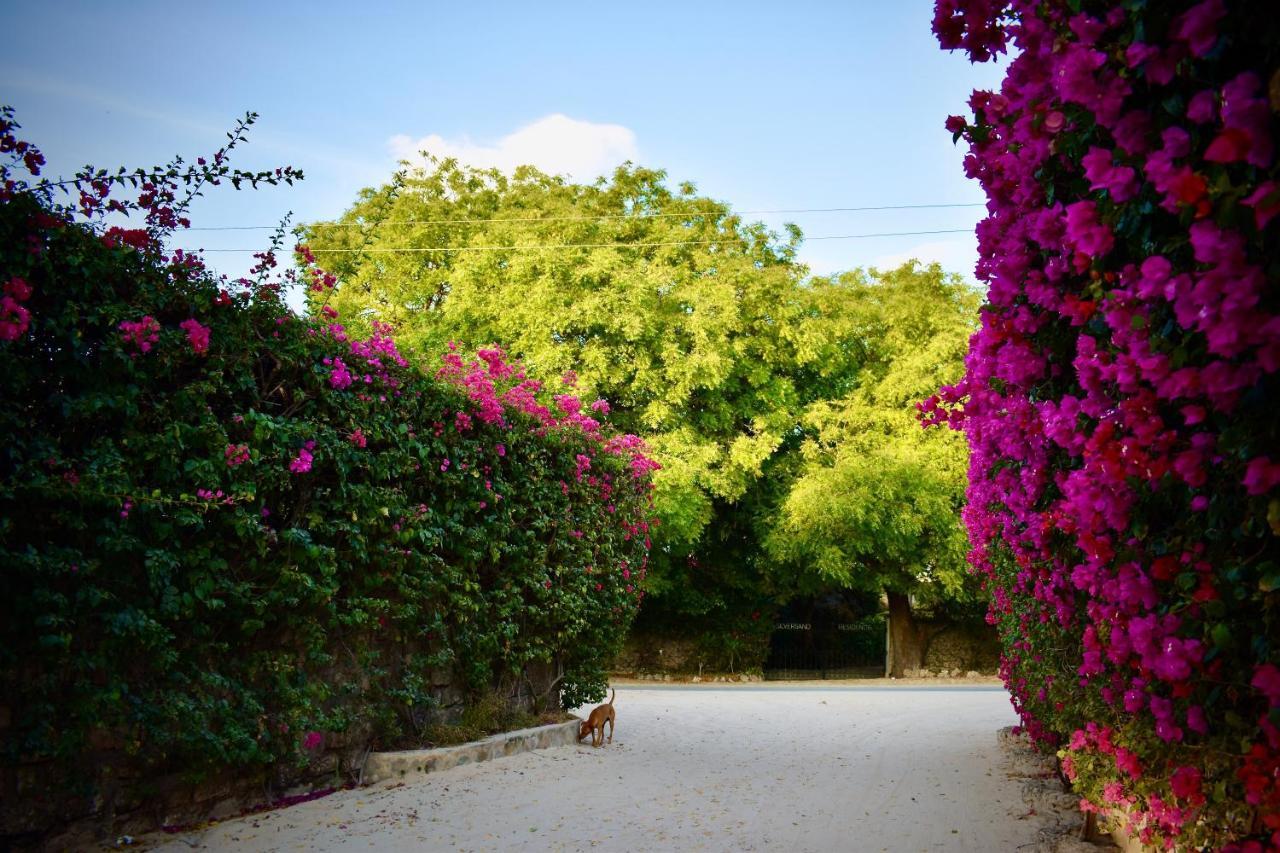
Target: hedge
[228,532]
[1120,399]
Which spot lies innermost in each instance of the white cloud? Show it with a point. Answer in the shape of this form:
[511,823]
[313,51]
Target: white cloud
[555,144]
[958,256]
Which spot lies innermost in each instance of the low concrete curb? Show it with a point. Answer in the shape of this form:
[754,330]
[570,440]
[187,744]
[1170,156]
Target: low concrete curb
[382,766]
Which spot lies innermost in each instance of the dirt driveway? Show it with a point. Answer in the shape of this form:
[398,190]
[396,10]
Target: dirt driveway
[730,767]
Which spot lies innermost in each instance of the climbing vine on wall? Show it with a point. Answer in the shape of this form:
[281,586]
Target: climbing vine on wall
[228,531]
[1120,397]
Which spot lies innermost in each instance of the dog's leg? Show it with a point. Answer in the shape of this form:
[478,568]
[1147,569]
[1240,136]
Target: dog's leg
[610,730]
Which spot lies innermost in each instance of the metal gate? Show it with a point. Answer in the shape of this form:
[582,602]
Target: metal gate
[803,650]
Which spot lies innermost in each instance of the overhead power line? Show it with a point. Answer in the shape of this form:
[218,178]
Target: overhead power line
[543,247]
[601,218]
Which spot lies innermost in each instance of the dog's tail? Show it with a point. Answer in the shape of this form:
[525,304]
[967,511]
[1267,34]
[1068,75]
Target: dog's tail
[615,693]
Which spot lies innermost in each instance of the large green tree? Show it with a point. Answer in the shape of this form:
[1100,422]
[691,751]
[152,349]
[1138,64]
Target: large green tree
[875,503]
[705,336]
[692,324]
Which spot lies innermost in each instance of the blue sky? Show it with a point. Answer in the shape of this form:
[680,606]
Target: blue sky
[765,106]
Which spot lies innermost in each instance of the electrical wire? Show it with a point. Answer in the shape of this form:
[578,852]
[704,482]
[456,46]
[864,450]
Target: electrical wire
[535,247]
[601,218]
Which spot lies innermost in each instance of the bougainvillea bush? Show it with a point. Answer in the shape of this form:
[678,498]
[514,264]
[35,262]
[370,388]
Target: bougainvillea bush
[1121,399]
[228,532]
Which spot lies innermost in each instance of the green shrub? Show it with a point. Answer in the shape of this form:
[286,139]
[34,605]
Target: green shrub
[1119,400]
[227,531]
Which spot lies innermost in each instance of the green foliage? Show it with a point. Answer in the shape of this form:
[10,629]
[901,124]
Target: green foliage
[1119,401]
[875,501]
[750,381]
[692,324]
[165,597]
[488,714]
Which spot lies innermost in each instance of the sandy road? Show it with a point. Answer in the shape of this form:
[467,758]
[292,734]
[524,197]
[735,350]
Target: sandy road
[741,767]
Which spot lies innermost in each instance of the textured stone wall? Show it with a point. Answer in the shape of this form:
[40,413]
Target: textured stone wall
[960,648]
[646,653]
[650,653]
[42,808]
[954,649]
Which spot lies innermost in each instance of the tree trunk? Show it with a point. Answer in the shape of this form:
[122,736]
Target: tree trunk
[906,646]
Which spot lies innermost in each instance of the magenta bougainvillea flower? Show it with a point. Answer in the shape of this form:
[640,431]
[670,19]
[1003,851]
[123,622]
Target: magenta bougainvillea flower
[197,335]
[141,334]
[301,463]
[1116,399]
[14,318]
[339,376]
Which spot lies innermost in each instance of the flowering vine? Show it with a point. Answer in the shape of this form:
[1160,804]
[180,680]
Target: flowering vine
[268,512]
[1122,503]
[141,334]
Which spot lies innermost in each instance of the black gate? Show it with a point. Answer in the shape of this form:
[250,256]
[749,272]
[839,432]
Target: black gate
[827,637]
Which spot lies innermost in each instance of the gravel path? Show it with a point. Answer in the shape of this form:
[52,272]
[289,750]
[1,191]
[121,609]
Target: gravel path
[743,767]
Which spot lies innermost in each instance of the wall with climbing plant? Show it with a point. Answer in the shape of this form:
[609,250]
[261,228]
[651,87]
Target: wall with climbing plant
[1120,397]
[210,506]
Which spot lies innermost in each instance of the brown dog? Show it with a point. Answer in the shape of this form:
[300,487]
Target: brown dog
[594,723]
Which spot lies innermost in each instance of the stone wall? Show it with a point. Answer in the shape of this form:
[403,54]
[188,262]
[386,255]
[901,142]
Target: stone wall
[959,648]
[45,808]
[112,793]
[397,765]
[649,653]
[954,649]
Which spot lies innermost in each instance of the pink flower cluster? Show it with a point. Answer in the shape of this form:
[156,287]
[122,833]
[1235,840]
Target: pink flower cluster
[135,238]
[496,387]
[14,318]
[1130,327]
[197,335]
[301,463]
[321,281]
[141,334]
[236,454]
[339,376]
[499,390]
[372,360]
[1143,818]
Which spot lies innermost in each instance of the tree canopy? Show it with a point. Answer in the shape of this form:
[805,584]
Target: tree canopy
[692,324]
[780,405]
[876,500]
